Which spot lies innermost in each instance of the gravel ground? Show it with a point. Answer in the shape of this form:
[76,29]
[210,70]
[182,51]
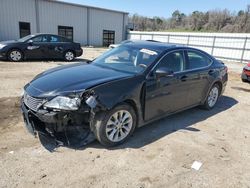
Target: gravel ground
[158,155]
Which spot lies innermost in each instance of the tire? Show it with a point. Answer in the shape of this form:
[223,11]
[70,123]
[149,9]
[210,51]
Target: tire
[109,131]
[212,97]
[15,55]
[244,80]
[69,55]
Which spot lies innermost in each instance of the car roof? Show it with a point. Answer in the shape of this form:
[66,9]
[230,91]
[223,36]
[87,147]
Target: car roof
[44,34]
[49,34]
[150,44]
[38,34]
[159,46]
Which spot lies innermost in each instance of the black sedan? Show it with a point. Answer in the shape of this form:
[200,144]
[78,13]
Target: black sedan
[127,87]
[40,46]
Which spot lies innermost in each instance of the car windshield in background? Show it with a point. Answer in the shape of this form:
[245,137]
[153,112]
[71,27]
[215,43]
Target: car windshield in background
[127,59]
[25,38]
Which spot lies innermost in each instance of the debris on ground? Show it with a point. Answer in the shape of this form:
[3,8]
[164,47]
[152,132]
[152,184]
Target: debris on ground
[196,165]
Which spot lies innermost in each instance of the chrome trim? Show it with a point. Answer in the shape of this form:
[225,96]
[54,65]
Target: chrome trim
[31,102]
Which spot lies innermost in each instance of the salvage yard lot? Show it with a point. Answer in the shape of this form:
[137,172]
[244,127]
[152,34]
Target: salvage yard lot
[158,155]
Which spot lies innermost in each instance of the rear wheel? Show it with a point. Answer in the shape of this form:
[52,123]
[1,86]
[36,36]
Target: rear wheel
[115,126]
[69,56]
[15,55]
[212,97]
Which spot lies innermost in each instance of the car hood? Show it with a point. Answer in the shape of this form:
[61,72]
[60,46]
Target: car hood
[9,42]
[71,78]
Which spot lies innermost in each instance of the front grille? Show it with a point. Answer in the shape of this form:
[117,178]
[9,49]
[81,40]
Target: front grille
[31,102]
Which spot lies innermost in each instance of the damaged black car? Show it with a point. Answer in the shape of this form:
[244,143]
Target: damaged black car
[127,87]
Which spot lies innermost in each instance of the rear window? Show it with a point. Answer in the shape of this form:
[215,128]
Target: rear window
[62,39]
[197,60]
[54,39]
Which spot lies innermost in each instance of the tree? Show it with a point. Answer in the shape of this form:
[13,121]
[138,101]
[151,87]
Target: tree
[214,20]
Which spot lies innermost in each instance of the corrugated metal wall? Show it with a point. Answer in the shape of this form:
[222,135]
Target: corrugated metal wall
[50,15]
[102,20]
[11,13]
[125,27]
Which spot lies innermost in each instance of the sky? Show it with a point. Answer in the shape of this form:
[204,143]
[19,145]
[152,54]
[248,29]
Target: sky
[165,8]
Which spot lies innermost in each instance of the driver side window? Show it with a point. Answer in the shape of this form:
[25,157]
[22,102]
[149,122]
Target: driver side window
[41,38]
[173,61]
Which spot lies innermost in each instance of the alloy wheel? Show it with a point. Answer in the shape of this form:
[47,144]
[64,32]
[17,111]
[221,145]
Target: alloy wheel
[213,96]
[119,126]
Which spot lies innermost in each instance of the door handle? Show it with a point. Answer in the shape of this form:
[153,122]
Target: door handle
[184,78]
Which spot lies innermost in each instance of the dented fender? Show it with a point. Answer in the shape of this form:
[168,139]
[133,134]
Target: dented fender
[106,96]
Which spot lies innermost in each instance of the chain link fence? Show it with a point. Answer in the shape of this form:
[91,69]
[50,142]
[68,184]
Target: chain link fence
[235,47]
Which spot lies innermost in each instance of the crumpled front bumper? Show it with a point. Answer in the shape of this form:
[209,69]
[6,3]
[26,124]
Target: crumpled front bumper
[53,128]
[29,119]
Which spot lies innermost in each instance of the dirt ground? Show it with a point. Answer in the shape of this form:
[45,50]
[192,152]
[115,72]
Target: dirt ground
[158,155]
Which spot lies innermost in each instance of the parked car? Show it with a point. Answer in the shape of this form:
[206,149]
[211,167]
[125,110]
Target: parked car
[40,46]
[245,76]
[126,87]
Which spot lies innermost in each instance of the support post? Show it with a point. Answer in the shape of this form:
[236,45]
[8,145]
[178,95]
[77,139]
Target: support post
[212,52]
[88,27]
[37,16]
[188,40]
[243,50]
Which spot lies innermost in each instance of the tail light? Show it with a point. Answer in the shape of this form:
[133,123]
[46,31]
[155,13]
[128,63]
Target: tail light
[247,72]
[247,67]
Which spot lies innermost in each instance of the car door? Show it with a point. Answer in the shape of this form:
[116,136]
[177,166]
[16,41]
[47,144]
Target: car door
[56,46]
[37,47]
[167,94]
[197,75]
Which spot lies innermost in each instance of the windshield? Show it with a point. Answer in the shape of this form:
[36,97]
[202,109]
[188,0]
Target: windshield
[127,59]
[25,38]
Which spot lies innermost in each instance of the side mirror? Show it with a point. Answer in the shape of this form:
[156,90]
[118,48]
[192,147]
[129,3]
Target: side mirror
[30,42]
[163,72]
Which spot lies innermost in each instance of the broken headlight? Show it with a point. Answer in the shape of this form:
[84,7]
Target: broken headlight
[63,103]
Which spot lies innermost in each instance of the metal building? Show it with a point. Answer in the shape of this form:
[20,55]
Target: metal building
[85,24]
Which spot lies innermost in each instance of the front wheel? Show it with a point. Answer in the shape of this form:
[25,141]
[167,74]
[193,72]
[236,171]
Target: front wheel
[15,55]
[212,97]
[69,56]
[115,126]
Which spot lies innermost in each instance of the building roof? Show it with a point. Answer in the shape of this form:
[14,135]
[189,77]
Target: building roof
[85,6]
